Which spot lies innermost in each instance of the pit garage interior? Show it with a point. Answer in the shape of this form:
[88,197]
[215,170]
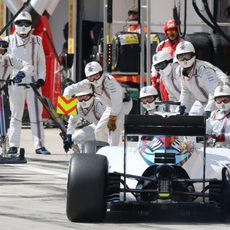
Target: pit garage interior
[69,44]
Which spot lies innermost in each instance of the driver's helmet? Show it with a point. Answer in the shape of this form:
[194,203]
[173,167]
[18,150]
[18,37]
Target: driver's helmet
[93,73]
[23,23]
[222,97]
[185,54]
[148,95]
[162,62]
[85,98]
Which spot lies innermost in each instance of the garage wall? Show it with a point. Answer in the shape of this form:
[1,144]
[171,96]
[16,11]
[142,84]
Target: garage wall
[57,22]
[160,12]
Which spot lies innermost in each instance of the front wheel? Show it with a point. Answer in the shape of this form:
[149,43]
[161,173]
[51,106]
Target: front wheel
[87,188]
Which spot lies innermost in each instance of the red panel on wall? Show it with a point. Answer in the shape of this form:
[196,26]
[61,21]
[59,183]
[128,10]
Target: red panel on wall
[52,88]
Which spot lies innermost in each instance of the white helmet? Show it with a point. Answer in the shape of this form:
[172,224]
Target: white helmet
[147,91]
[92,68]
[183,48]
[23,23]
[85,92]
[162,62]
[222,90]
[86,103]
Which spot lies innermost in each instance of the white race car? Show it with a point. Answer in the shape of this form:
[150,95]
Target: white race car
[167,169]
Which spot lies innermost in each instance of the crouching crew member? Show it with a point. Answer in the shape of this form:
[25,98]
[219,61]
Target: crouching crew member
[218,125]
[90,109]
[114,97]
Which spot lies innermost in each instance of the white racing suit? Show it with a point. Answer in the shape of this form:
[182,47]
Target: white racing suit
[200,85]
[113,96]
[172,83]
[10,63]
[217,124]
[30,50]
[92,115]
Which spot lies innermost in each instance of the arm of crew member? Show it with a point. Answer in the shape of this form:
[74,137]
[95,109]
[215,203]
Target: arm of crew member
[41,63]
[21,65]
[222,76]
[185,98]
[80,86]
[72,123]
[116,96]
[211,81]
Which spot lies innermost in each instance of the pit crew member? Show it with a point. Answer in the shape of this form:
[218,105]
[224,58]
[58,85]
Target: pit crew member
[110,92]
[148,96]
[199,79]
[90,109]
[163,64]
[28,47]
[168,45]
[218,125]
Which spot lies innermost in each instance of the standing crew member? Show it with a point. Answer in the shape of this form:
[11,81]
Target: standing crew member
[163,65]
[199,79]
[110,92]
[133,16]
[169,45]
[29,48]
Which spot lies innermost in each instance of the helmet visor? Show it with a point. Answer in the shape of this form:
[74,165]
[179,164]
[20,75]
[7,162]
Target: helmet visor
[84,97]
[94,77]
[222,99]
[148,99]
[185,56]
[171,31]
[162,65]
[25,23]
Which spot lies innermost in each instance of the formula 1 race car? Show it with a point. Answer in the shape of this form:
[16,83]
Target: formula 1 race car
[168,170]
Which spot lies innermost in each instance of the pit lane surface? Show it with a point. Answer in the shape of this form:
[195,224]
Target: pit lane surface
[33,195]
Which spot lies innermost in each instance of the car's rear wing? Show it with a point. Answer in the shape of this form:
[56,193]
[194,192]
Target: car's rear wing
[170,126]
[167,126]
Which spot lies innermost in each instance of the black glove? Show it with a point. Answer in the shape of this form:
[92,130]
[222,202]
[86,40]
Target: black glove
[19,76]
[68,142]
[182,109]
[39,83]
[207,114]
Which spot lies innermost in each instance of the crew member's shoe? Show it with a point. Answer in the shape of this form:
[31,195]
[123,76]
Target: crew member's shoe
[12,151]
[42,151]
